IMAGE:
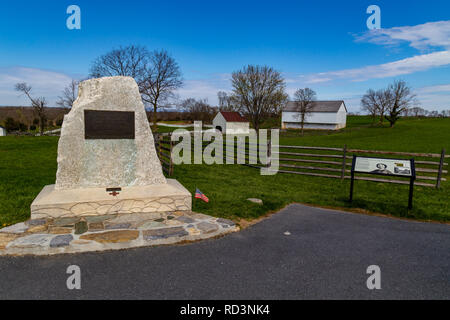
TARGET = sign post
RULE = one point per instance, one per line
(384, 167)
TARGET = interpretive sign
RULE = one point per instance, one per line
(384, 167)
(390, 167)
(108, 124)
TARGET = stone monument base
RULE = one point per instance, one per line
(52, 203)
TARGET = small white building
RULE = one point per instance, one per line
(231, 122)
(325, 115)
(2, 131)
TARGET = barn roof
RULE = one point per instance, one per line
(318, 106)
(232, 116)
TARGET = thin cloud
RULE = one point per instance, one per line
(45, 83)
(434, 97)
(421, 37)
(391, 69)
(435, 89)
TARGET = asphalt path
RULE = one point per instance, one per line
(299, 253)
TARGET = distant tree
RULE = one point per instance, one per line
(376, 103)
(406, 112)
(157, 73)
(258, 91)
(369, 103)
(10, 124)
(304, 99)
(14, 125)
(162, 76)
(400, 98)
(125, 61)
(417, 112)
(445, 113)
(59, 122)
(225, 101)
(433, 114)
(384, 97)
(69, 95)
(21, 119)
(22, 126)
(198, 109)
(39, 104)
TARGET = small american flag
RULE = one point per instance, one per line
(200, 195)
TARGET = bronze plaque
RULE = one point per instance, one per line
(108, 124)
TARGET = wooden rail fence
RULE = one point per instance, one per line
(329, 162)
(163, 145)
(338, 163)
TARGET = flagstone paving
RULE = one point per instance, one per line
(107, 232)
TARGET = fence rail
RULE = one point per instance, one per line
(163, 145)
(320, 161)
(330, 162)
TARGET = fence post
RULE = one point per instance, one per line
(269, 153)
(170, 157)
(160, 138)
(344, 162)
(441, 166)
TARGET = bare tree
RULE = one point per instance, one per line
(369, 103)
(157, 73)
(39, 104)
(418, 112)
(124, 61)
(433, 114)
(162, 76)
(376, 103)
(258, 91)
(384, 98)
(69, 95)
(198, 109)
(304, 99)
(225, 101)
(445, 113)
(400, 99)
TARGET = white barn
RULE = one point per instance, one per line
(325, 115)
(2, 131)
(230, 123)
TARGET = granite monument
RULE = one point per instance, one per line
(107, 162)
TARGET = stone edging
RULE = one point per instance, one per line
(109, 232)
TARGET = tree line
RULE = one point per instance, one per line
(156, 73)
(258, 92)
(393, 102)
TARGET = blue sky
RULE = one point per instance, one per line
(324, 45)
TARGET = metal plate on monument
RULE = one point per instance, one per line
(108, 124)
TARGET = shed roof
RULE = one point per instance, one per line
(318, 106)
(232, 116)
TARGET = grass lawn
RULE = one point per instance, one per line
(29, 163)
(409, 135)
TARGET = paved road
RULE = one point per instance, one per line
(324, 257)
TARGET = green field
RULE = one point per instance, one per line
(29, 163)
